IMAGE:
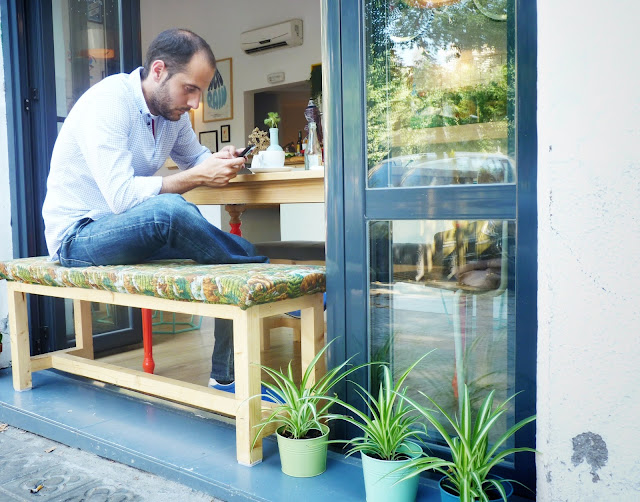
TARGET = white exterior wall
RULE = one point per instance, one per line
(588, 238)
(6, 252)
(220, 24)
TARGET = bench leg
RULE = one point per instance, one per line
(83, 326)
(246, 346)
(312, 336)
(265, 330)
(20, 349)
(148, 365)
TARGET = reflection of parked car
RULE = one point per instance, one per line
(390, 172)
(464, 168)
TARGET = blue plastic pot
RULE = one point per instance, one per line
(381, 486)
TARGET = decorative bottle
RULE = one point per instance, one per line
(299, 144)
(313, 152)
(273, 140)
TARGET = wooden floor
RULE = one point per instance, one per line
(187, 356)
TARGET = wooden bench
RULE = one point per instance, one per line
(292, 253)
(248, 294)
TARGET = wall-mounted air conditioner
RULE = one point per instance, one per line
(287, 34)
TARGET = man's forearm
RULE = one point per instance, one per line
(183, 181)
(213, 172)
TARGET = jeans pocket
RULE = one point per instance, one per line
(64, 252)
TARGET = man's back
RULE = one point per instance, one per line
(106, 154)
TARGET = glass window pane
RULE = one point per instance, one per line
(86, 38)
(439, 90)
(449, 286)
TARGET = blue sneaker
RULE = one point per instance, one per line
(267, 395)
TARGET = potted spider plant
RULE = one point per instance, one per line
(467, 476)
(301, 412)
(391, 436)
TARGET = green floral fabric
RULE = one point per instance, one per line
(243, 285)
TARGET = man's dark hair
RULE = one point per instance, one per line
(176, 47)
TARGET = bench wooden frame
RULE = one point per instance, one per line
(247, 329)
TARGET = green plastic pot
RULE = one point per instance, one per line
(303, 458)
(380, 482)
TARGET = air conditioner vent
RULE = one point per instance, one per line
(287, 34)
(261, 48)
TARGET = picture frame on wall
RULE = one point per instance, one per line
(210, 140)
(225, 133)
(218, 99)
(95, 11)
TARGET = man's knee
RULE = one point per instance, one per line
(170, 207)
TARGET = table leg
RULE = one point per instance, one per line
(148, 365)
(235, 212)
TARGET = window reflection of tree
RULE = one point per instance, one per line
(414, 81)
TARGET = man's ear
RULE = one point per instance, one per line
(158, 69)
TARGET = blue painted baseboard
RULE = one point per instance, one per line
(176, 442)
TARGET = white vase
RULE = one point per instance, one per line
(273, 138)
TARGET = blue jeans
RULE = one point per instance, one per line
(162, 227)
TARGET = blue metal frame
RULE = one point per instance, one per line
(351, 206)
(527, 238)
(334, 190)
(446, 202)
(355, 267)
(13, 22)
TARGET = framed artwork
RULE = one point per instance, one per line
(94, 11)
(218, 100)
(225, 133)
(210, 140)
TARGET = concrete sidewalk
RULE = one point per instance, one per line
(72, 475)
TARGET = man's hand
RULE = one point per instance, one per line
(216, 171)
(228, 152)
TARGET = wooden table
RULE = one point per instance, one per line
(291, 187)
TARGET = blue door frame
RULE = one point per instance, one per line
(350, 206)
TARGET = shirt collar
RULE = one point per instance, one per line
(136, 84)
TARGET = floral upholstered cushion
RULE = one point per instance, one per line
(243, 285)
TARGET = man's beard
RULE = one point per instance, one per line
(163, 104)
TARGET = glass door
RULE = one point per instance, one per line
(62, 48)
(436, 244)
(86, 49)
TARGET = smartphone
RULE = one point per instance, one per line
(246, 151)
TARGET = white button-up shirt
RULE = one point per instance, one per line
(105, 155)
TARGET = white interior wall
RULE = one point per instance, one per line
(589, 221)
(6, 247)
(221, 24)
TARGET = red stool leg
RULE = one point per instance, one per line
(147, 341)
(235, 212)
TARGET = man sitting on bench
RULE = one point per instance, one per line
(103, 204)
